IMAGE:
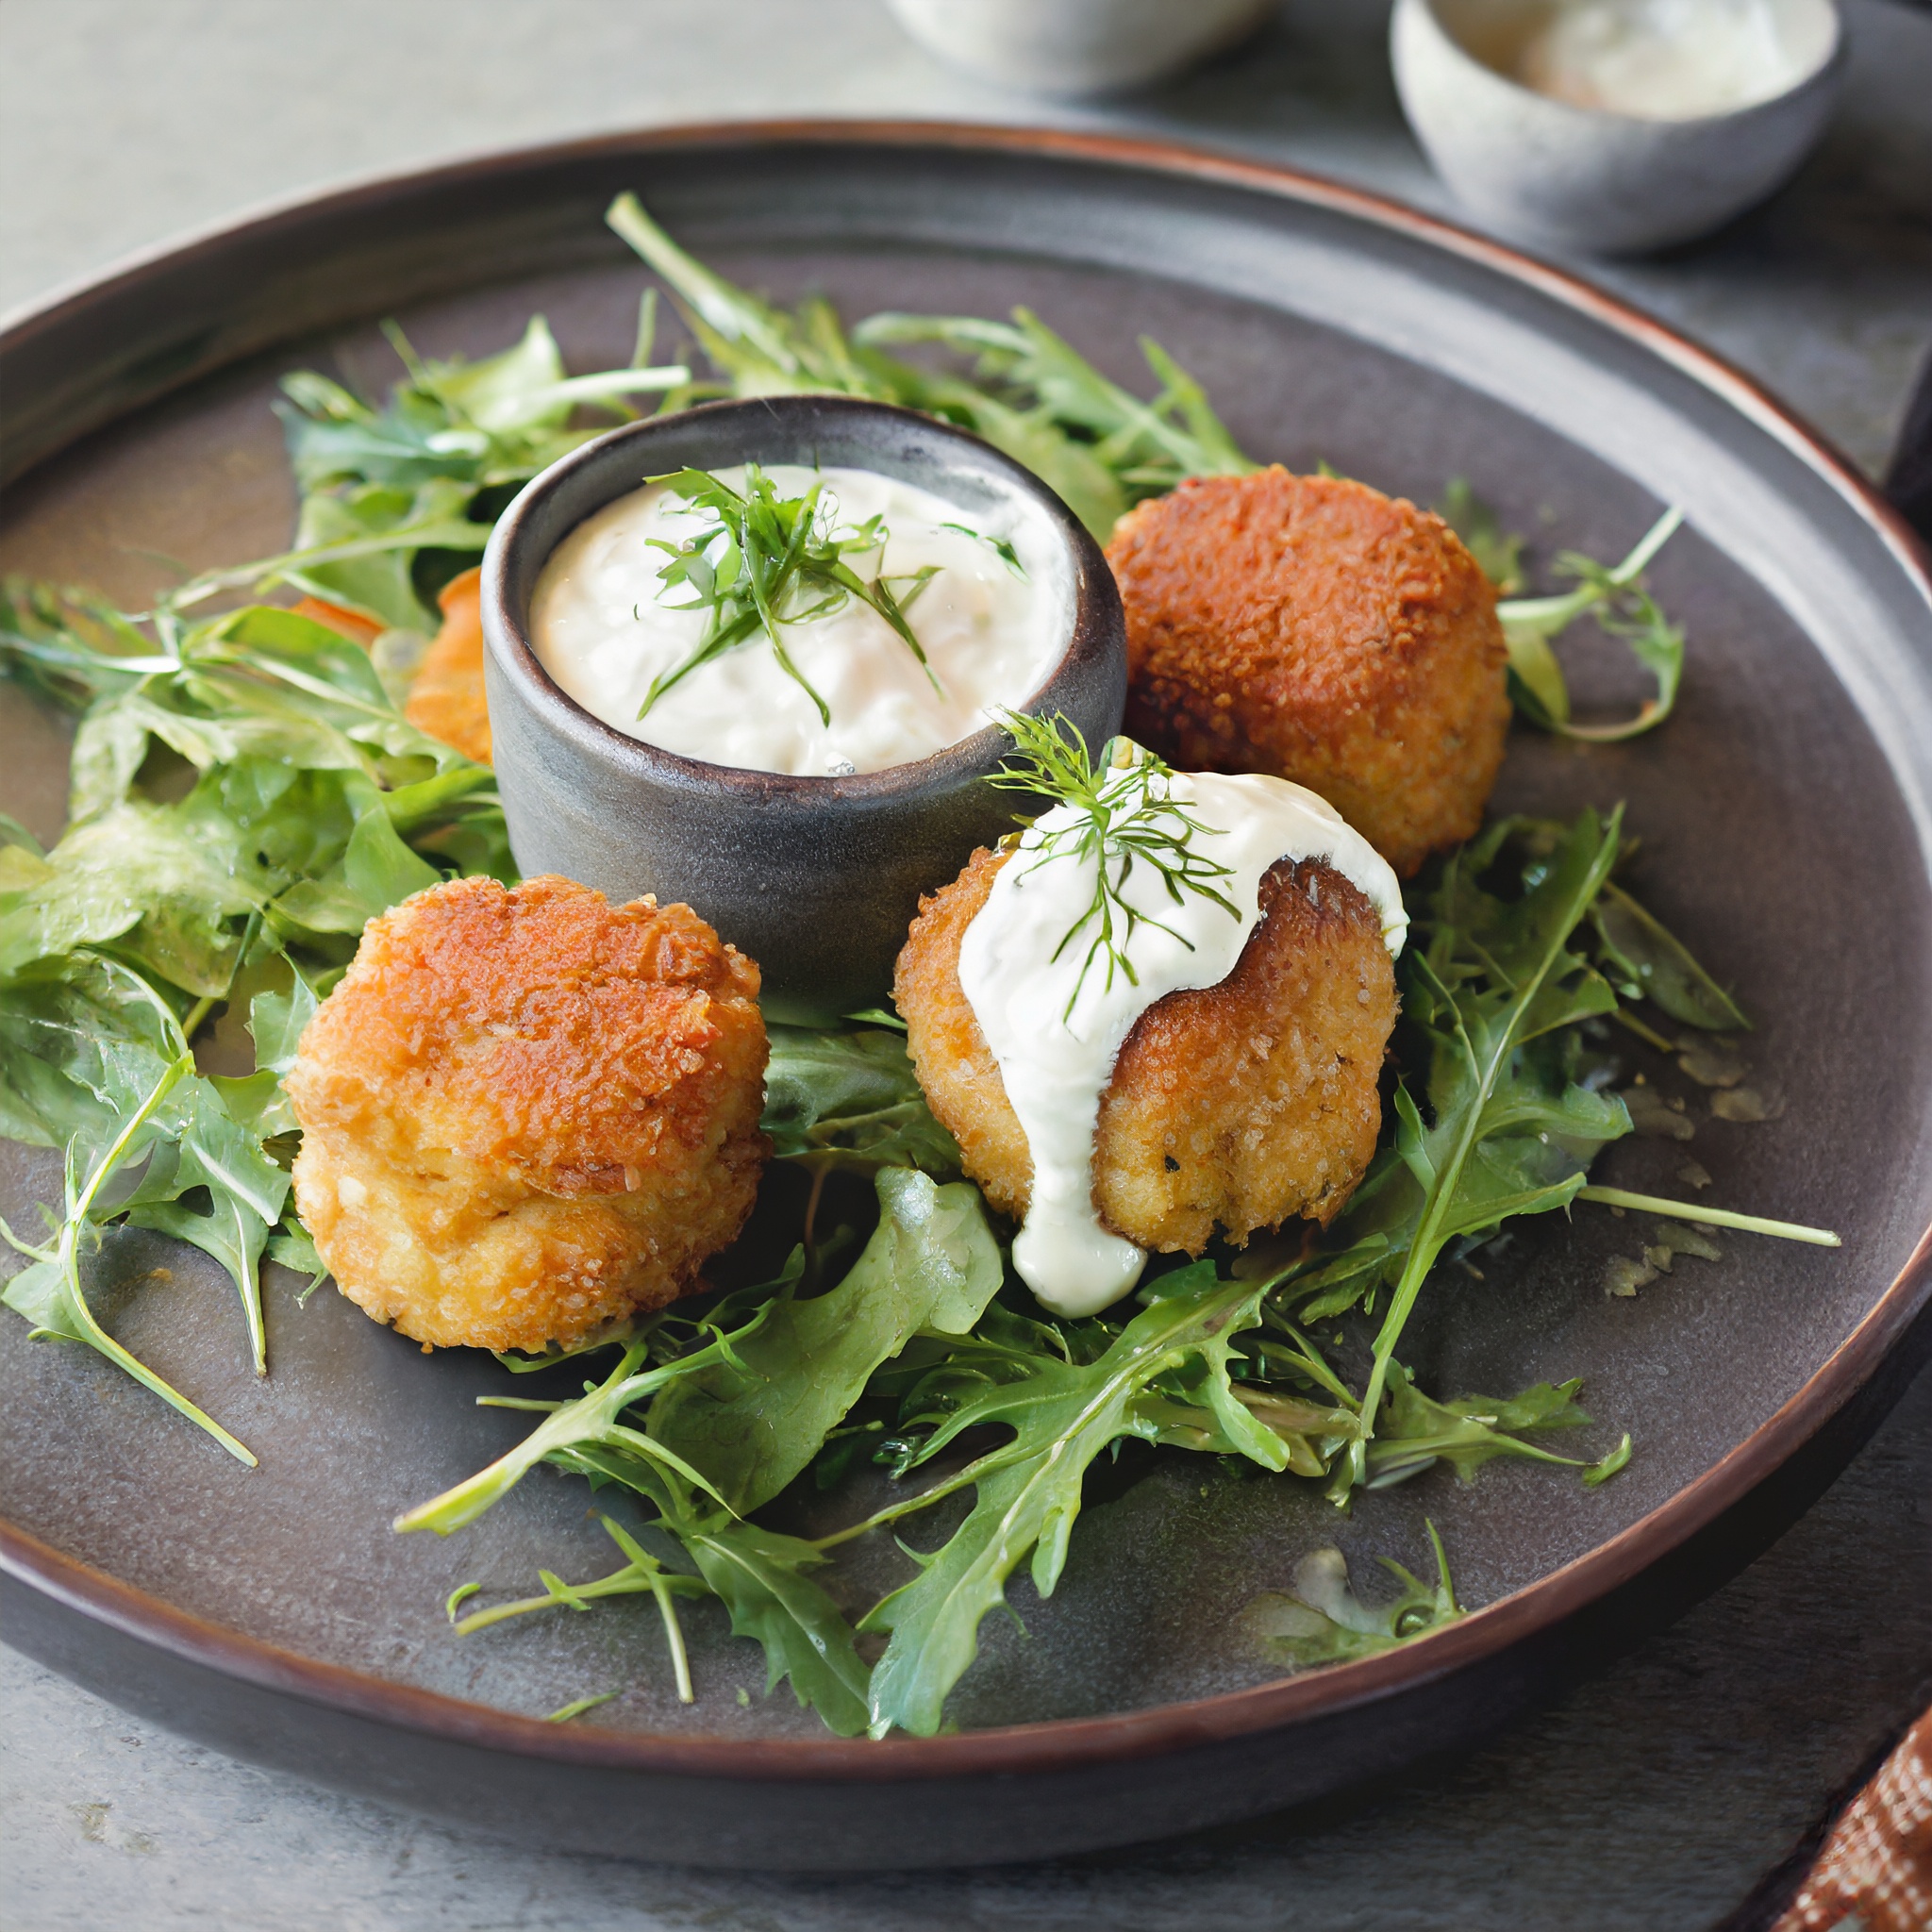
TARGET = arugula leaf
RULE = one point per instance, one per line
(337, 526)
(592, 1421)
(751, 1423)
(851, 1101)
(46, 630)
(1097, 445)
(736, 1420)
(48, 1290)
(1413, 1431)
(515, 390)
(1542, 1123)
(1494, 976)
(381, 487)
(116, 946)
(376, 871)
(310, 783)
(489, 423)
(378, 530)
(205, 1147)
(1323, 1622)
(1150, 445)
(1652, 963)
(292, 1248)
(760, 1577)
(82, 1039)
(1498, 553)
(262, 690)
(759, 1574)
(278, 1019)
(641, 1573)
(163, 881)
(1071, 469)
(1063, 1414)
(1614, 595)
(762, 342)
(86, 1050)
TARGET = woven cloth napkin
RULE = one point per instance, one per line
(1875, 1871)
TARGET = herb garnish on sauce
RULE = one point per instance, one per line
(766, 561)
(1128, 817)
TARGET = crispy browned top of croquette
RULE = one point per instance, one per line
(1318, 630)
(1218, 575)
(543, 1029)
(1237, 1105)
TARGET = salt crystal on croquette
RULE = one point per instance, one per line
(1313, 629)
(528, 1113)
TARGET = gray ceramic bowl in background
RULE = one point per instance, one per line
(815, 878)
(1078, 48)
(1585, 178)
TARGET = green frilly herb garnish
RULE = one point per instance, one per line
(765, 562)
(1126, 818)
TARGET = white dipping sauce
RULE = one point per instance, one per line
(1057, 1064)
(1665, 60)
(602, 630)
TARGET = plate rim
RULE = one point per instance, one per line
(1061, 1744)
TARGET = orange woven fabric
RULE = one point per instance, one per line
(1877, 1862)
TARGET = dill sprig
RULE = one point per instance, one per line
(1127, 819)
(767, 561)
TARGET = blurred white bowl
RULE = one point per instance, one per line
(1077, 46)
(1586, 177)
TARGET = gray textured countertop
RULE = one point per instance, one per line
(1657, 1796)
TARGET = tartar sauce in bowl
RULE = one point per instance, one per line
(802, 791)
(831, 688)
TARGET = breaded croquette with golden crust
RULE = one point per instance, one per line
(446, 699)
(1237, 1106)
(1315, 629)
(528, 1113)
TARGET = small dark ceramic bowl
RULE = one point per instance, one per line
(815, 878)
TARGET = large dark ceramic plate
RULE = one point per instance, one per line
(1785, 811)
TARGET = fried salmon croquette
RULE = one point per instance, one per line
(446, 699)
(1239, 1106)
(528, 1113)
(1315, 629)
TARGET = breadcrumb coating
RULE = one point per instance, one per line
(527, 1113)
(1238, 1105)
(1313, 629)
(446, 699)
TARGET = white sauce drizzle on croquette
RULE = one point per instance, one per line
(1056, 1058)
(605, 626)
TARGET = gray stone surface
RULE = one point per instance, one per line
(123, 123)
(1656, 1797)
